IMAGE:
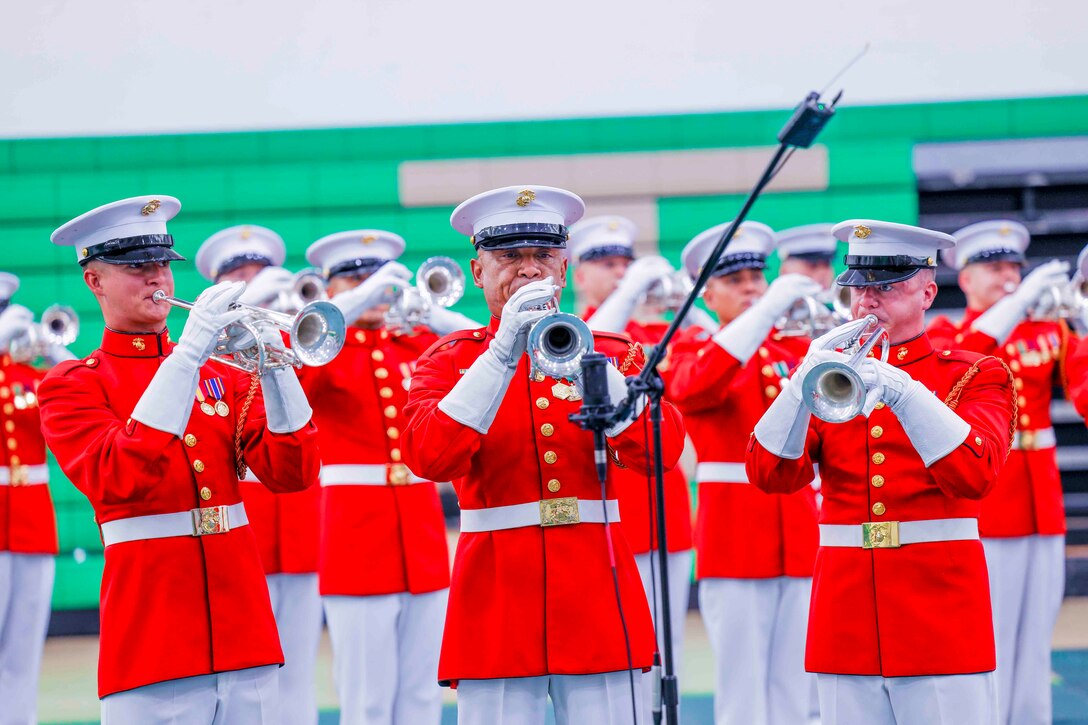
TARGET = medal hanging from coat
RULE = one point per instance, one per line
(213, 388)
(563, 391)
(205, 407)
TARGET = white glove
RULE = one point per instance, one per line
(783, 428)
(474, 400)
(285, 406)
(168, 399)
(1005, 314)
(57, 354)
(614, 314)
(933, 428)
(13, 321)
(379, 288)
(443, 321)
(697, 317)
(743, 336)
(266, 286)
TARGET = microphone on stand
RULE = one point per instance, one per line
(596, 406)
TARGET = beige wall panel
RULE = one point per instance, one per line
(431, 185)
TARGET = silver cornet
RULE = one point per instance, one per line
(834, 391)
(668, 292)
(316, 336)
(1058, 302)
(440, 282)
(307, 285)
(59, 325)
(557, 343)
(816, 315)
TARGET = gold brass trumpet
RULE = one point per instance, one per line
(316, 335)
(440, 282)
(834, 391)
(59, 325)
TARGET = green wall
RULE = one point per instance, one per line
(305, 184)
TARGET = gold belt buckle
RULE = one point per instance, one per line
(1027, 440)
(880, 535)
(19, 475)
(399, 475)
(210, 520)
(559, 511)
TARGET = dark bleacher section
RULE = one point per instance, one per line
(1042, 183)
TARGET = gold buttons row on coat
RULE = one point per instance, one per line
(377, 355)
(393, 433)
(394, 454)
(205, 493)
(390, 411)
(876, 431)
(190, 440)
(386, 393)
(878, 481)
(542, 403)
(198, 466)
(879, 508)
(550, 457)
(381, 373)
(547, 430)
(878, 458)
(9, 426)
(553, 485)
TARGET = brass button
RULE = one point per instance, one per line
(538, 377)
(393, 433)
(390, 411)
(360, 336)
(879, 509)
(768, 371)
(386, 393)
(205, 493)
(550, 457)
(959, 337)
(879, 406)
(198, 466)
(771, 391)
(1014, 366)
(12, 444)
(878, 458)
(553, 485)
(1025, 420)
(946, 353)
(394, 454)
(381, 373)
(477, 334)
(547, 429)
(1021, 401)
(763, 352)
(876, 432)
(190, 440)
(542, 403)
(14, 461)
(1010, 349)
(878, 481)
(978, 441)
(9, 408)
(377, 355)
(91, 362)
(1018, 384)
(5, 392)
(9, 426)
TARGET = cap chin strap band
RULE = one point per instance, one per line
(886, 261)
(546, 235)
(126, 244)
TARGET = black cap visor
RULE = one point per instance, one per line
(143, 255)
(997, 255)
(736, 262)
(519, 236)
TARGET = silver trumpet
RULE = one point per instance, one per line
(440, 282)
(1056, 303)
(307, 285)
(834, 391)
(668, 292)
(557, 343)
(59, 325)
(817, 315)
(316, 335)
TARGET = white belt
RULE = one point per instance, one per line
(194, 522)
(720, 473)
(549, 512)
(368, 474)
(250, 478)
(25, 475)
(1033, 440)
(893, 534)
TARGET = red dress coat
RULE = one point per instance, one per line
(375, 539)
(183, 605)
(741, 532)
(28, 524)
(533, 600)
(1027, 498)
(637, 505)
(921, 609)
(1076, 367)
(286, 526)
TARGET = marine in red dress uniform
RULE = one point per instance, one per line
(1077, 364)
(383, 562)
(900, 627)
(612, 286)
(28, 526)
(185, 615)
(1022, 521)
(533, 611)
(754, 550)
(284, 524)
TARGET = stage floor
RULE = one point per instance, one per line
(67, 693)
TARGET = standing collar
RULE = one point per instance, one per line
(136, 344)
(909, 351)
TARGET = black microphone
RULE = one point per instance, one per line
(596, 406)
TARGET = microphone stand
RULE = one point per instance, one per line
(808, 119)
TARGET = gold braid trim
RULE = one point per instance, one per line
(953, 399)
(633, 351)
(239, 457)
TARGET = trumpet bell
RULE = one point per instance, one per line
(557, 344)
(833, 391)
(317, 333)
(59, 325)
(669, 291)
(441, 281)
